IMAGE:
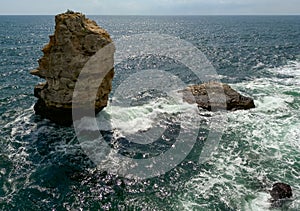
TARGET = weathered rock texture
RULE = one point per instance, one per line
(75, 41)
(216, 96)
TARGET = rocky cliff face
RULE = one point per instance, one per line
(216, 96)
(75, 41)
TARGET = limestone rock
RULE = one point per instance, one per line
(75, 41)
(216, 96)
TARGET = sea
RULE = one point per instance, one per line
(43, 166)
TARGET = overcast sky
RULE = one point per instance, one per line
(151, 7)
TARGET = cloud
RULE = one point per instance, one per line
(198, 7)
(154, 7)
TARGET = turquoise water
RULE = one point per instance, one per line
(43, 167)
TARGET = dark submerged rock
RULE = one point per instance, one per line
(281, 191)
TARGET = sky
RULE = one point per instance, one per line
(152, 7)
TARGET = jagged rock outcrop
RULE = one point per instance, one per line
(75, 41)
(216, 96)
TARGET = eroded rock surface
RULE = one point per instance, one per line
(216, 96)
(75, 41)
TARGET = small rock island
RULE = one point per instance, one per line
(75, 41)
(215, 96)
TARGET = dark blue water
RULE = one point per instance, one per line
(43, 167)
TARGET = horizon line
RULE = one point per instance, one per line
(225, 14)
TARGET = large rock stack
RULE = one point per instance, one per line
(75, 41)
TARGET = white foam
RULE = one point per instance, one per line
(130, 120)
(259, 65)
(291, 69)
(293, 135)
(18, 125)
(271, 94)
(260, 203)
(267, 134)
